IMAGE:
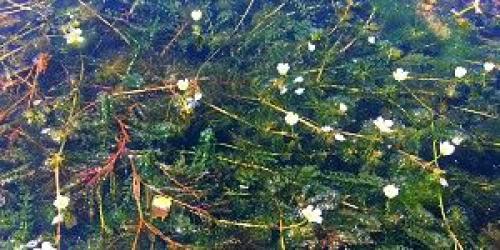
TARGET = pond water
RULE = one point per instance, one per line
(256, 124)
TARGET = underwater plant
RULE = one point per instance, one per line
(257, 124)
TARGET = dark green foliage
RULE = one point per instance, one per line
(239, 174)
(133, 81)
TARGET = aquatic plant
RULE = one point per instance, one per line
(257, 124)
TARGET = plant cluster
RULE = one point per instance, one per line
(257, 124)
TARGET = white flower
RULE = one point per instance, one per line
(457, 140)
(37, 102)
(327, 129)
(291, 118)
(47, 246)
(489, 66)
(283, 68)
(383, 125)
(298, 79)
(190, 103)
(443, 182)
(74, 37)
(61, 202)
(183, 84)
(299, 91)
(312, 214)
(400, 74)
(342, 107)
(198, 96)
(45, 131)
(57, 219)
(371, 40)
(391, 191)
(283, 90)
(477, 6)
(339, 137)
(446, 148)
(32, 243)
(311, 46)
(196, 15)
(460, 72)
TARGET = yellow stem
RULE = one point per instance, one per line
(453, 236)
(282, 233)
(58, 192)
(101, 210)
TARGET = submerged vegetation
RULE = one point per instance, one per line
(256, 124)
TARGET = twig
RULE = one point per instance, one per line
(106, 22)
(243, 17)
(144, 91)
(447, 224)
(476, 112)
(246, 165)
(174, 39)
(183, 187)
(282, 232)
(206, 215)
